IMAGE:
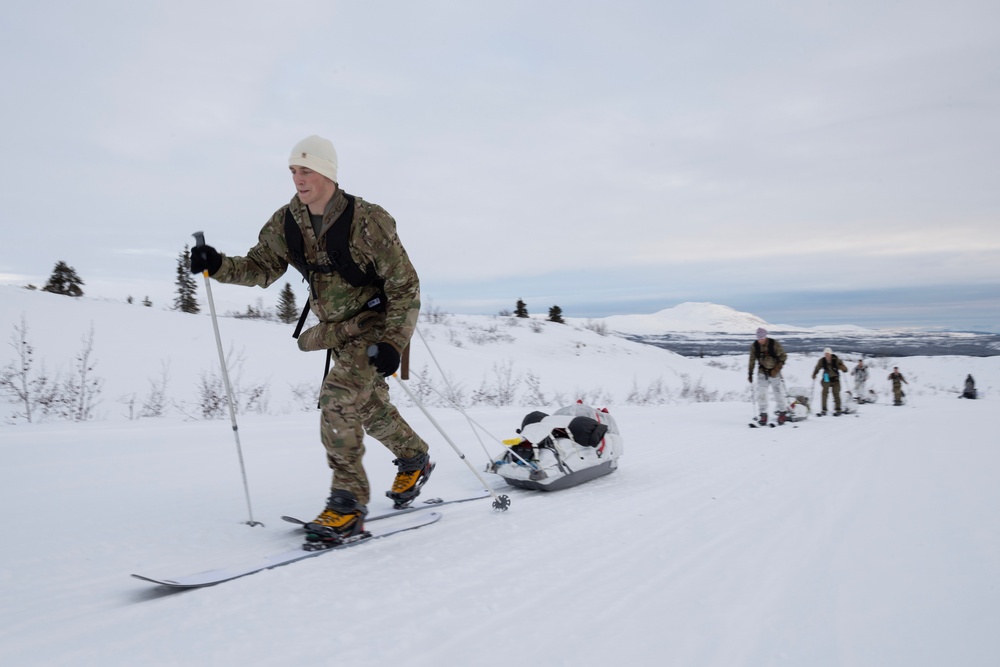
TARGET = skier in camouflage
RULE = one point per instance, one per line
(831, 365)
(366, 296)
(898, 381)
(769, 357)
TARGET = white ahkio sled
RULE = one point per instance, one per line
(574, 445)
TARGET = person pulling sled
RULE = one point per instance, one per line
(769, 357)
(366, 295)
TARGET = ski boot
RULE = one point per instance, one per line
(762, 419)
(782, 417)
(342, 521)
(411, 475)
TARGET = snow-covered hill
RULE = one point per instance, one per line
(861, 540)
(687, 316)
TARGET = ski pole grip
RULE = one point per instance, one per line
(199, 239)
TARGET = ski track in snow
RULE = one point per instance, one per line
(852, 541)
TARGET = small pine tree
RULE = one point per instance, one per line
(186, 286)
(521, 309)
(288, 311)
(146, 302)
(555, 315)
(64, 280)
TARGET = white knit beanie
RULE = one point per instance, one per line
(315, 153)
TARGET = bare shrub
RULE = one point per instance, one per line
(502, 391)
(82, 390)
(534, 394)
(33, 391)
(306, 395)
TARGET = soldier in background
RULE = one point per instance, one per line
(860, 374)
(769, 357)
(897, 380)
(970, 387)
(366, 296)
(831, 366)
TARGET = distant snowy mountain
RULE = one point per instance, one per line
(687, 317)
(701, 328)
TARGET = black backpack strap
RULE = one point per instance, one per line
(296, 244)
(338, 249)
(302, 320)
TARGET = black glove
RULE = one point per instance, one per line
(205, 258)
(385, 357)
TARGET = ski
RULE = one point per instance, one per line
(212, 577)
(429, 503)
(759, 425)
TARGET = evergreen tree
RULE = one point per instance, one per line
(521, 309)
(146, 302)
(186, 286)
(288, 311)
(555, 315)
(64, 281)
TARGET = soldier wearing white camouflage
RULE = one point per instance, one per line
(366, 295)
(769, 357)
(860, 373)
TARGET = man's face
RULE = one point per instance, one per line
(312, 187)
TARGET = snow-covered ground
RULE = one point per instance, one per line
(860, 540)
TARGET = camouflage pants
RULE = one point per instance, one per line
(355, 399)
(835, 386)
(897, 393)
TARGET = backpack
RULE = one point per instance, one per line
(770, 349)
(338, 249)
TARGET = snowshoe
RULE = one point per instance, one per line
(411, 475)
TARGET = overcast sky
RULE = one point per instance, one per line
(811, 162)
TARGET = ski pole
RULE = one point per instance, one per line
(452, 390)
(500, 503)
(474, 424)
(199, 238)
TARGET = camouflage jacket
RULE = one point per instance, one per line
(332, 299)
(832, 368)
(770, 364)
